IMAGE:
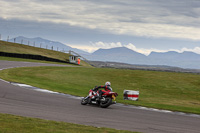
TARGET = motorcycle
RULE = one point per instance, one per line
(106, 99)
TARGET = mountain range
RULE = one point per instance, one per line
(121, 54)
(124, 55)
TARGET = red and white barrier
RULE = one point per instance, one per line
(131, 95)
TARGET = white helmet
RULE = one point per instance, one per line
(108, 83)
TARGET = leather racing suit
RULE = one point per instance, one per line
(101, 92)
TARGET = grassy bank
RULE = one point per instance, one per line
(24, 49)
(163, 90)
(17, 124)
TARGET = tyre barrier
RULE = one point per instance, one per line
(131, 95)
(30, 56)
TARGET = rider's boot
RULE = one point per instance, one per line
(98, 98)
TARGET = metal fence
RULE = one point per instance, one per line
(41, 45)
(29, 43)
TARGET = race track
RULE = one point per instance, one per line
(28, 102)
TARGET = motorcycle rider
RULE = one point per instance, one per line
(101, 92)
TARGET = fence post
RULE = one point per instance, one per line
(14, 40)
(52, 47)
(8, 39)
(22, 41)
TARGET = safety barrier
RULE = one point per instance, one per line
(30, 56)
(131, 95)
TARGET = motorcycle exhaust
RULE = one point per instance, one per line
(94, 102)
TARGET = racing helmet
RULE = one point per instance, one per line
(108, 83)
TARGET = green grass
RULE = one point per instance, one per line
(163, 90)
(17, 124)
(24, 49)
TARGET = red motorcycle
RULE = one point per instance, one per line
(106, 99)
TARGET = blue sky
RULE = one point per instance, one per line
(141, 25)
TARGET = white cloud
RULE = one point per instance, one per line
(144, 18)
(106, 45)
(142, 50)
(84, 47)
(195, 50)
(95, 46)
(148, 51)
(98, 45)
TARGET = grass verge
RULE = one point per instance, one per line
(24, 49)
(162, 90)
(11, 124)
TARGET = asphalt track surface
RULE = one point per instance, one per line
(27, 102)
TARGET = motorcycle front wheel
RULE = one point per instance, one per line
(84, 101)
(106, 103)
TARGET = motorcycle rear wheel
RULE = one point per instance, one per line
(108, 102)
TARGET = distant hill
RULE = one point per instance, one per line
(120, 54)
(125, 55)
(184, 60)
(143, 67)
(172, 55)
(44, 43)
